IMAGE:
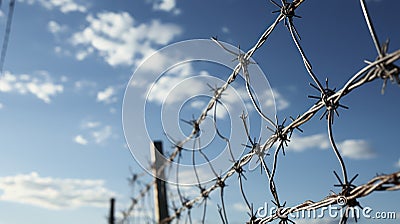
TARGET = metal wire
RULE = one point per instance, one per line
(7, 34)
(382, 67)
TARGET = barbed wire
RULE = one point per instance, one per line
(389, 182)
(382, 67)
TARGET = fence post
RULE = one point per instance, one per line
(111, 219)
(160, 192)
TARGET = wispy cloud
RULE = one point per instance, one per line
(120, 40)
(84, 85)
(91, 124)
(102, 134)
(40, 85)
(65, 6)
(55, 27)
(54, 193)
(275, 97)
(93, 132)
(398, 163)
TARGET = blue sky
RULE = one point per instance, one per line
(63, 152)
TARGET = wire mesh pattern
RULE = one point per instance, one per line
(327, 101)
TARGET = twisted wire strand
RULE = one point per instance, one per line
(388, 182)
(367, 73)
(221, 90)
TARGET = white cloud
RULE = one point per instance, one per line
(80, 140)
(54, 193)
(102, 135)
(120, 40)
(166, 5)
(60, 51)
(40, 85)
(275, 97)
(81, 55)
(107, 95)
(55, 28)
(65, 6)
(164, 90)
(84, 84)
(198, 104)
(350, 148)
(94, 133)
(356, 149)
(299, 144)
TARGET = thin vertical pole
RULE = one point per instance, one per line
(160, 192)
(111, 219)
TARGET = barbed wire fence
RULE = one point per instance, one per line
(328, 100)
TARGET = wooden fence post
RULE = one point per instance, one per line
(160, 191)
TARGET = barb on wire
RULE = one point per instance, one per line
(221, 183)
(330, 104)
(385, 72)
(195, 125)
(134, 201)
(256, 148)
(244, 62)
(287, 10)
(388, 182)
(383, 67)
(228, 142)
(220, 214)
(252, 215)
(221, 90)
